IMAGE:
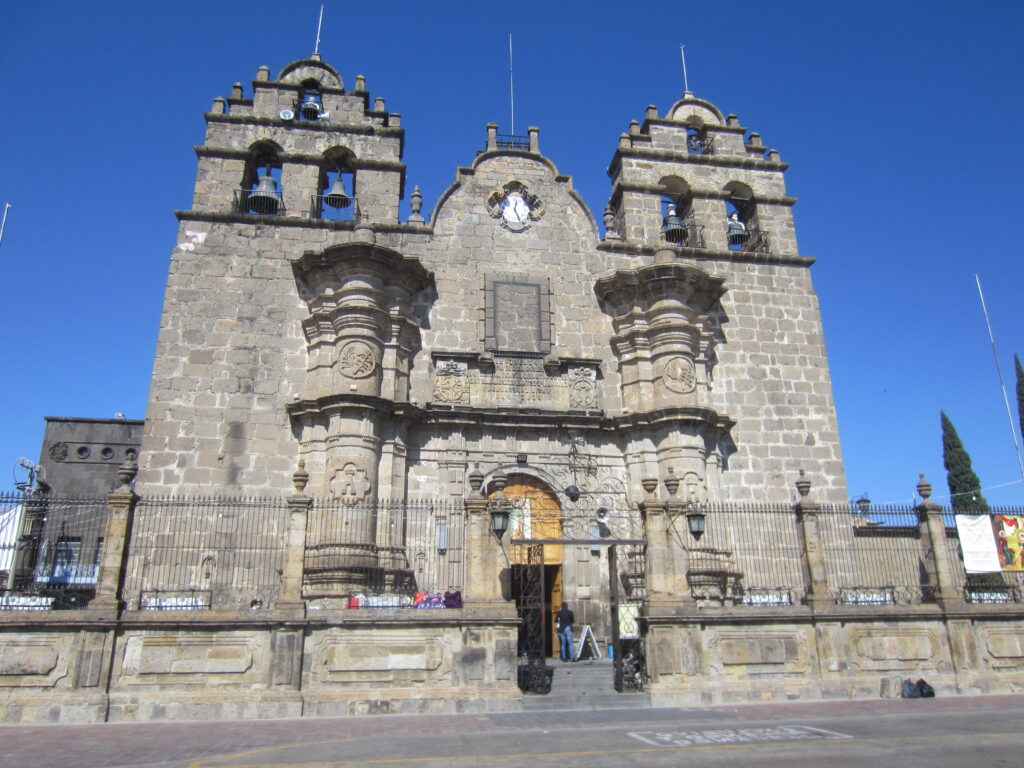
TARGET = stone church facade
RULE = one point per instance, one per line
(489, 408)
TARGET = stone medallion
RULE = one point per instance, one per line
(680, 375)
(357, 360)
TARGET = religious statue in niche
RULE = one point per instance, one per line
(680, 375)
(350, 484)
(451, 383)
(582, 388)
(357, 360)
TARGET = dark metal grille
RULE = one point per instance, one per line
(752, 240)
(529, 590)
(242, 204)
(50, 550)
(512, 141)
(389, 554)
(627, 566)
(320, 209)
(698, 144)
(217, 552)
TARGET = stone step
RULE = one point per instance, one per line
(583, 685)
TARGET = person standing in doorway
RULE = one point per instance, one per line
(564, 619)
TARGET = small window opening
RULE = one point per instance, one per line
(65, 560)
(310, 105)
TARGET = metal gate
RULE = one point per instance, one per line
(626, 568)
(529, 576)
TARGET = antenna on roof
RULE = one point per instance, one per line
(999, 372)
(511, 90)
(686, 81)
(316, 48)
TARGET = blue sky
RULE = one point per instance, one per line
(902, 122)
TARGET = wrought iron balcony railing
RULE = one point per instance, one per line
(752, 240)
(258, 202)
(331, 207)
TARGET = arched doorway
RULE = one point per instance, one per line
(537, 577)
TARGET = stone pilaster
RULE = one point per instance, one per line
(812, 550)
(666, 587)
(485, 555)
(290, 598)
(121, 505)
(933, 542)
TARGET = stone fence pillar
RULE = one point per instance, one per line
(484, 552)
(934, 551)
(293, 571)
(812, 552)
(667, 585)
(121, 505)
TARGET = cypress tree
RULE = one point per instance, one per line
(964, 485)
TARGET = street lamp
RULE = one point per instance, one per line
(695, 521)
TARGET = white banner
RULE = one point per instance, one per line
(978, 543)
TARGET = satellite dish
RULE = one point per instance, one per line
(287, 114)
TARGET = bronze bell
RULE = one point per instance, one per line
(265, 199)
(673, 227)
(310, 110)
(337, 197)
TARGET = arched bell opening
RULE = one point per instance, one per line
(336, 200)
(698, 142)
(310, 104)
(678, 225)
(261, 191)
(741, 229)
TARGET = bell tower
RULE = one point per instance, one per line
(288, 330)
(725, 322)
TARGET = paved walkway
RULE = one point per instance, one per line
(254, 743)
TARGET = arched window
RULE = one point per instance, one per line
(741, 225)
(697, 140)
(261, 181)
(677, 222)
(336, 198)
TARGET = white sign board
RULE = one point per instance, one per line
(978, 543)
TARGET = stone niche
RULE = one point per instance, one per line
(665, 333)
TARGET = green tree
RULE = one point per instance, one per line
(964, 485)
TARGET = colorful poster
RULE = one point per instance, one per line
(978, 544)
(1009, 531)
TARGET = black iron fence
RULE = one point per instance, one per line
(50, 550)
(387, 555)
(207, 553)
(196, 553)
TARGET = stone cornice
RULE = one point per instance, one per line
(706, 254)
(309, 125)
(675, 156)
(228, 217)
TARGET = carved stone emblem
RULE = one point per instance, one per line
(582, 389)
(680, 375)
(357, 360)
(451, 383)
(59, 451)
(350, 484)
(514, 206)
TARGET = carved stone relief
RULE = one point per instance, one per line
(350, 484)
(680, 375)
(357, 360)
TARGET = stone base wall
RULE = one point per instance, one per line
(91, 668)
(210, 667)
(801, 655)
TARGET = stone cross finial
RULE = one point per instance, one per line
(300, 477)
